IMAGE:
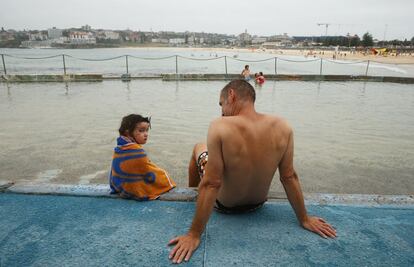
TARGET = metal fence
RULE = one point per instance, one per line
(364, 65)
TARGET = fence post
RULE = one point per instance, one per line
(275, 65)
(176, 64)
(320, 69)
(126, 64)
(64, 64)
(366, 71)
(4, 64)
(225, 63)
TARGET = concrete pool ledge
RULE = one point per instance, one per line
(90, 190)
(290, 77)
(21, 78)
(359, 199)
(5, 184)
(190, 194)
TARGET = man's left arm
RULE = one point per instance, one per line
(291, 184)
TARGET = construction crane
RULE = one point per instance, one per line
(326, 27)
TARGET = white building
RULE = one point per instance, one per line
(54, 33)
(61, 40)
(36, 44)
(160, 40)
(259, 40)
(177, 41)
(6, 36)
(39, 36)
(111, 35)
(277, 41)
(245, 38)
(280, 37)
(82, 38)
(191, 40)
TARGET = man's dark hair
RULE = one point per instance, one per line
(242, 88)
(130, 121)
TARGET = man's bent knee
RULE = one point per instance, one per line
(199, 148)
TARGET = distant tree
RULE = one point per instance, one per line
(395, 42)
(122, 36)
(344, 41)
(412, 41)
(141, 37)
(355, 41)
(367, 40)
(406, 42)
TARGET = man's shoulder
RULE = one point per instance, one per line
(268, 118)
(216, 121)
(282, 122)
(227, 123)
(216, 124)
(279, 123)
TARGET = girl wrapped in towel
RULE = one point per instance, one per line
(133, 175)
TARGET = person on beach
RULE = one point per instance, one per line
(246, 73)
(235, 168)
(133, 175)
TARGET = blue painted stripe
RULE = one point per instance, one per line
(148, 178)
(116, 164)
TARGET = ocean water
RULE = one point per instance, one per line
(350, 137)
(153, 61)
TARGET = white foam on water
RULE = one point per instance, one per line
(390, 68)
(47, 176)
(373, 66)
(86, 179)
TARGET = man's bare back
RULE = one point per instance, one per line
(252, 147)
(245, 148)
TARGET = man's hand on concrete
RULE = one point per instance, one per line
(184, 247)
(319, 226)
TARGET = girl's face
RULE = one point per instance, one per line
(140, 133)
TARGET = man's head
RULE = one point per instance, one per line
(246, 67)
(236, 91)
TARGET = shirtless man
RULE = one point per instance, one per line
(246, 73)
(245, 148)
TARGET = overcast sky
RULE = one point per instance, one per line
(392, 18)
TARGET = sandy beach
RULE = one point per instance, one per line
(305, 53)
(346, 55)
(328, 54)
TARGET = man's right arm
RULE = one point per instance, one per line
(207, 194)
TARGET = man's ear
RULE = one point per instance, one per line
(231, 95)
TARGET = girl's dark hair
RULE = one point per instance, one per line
(129, 122)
